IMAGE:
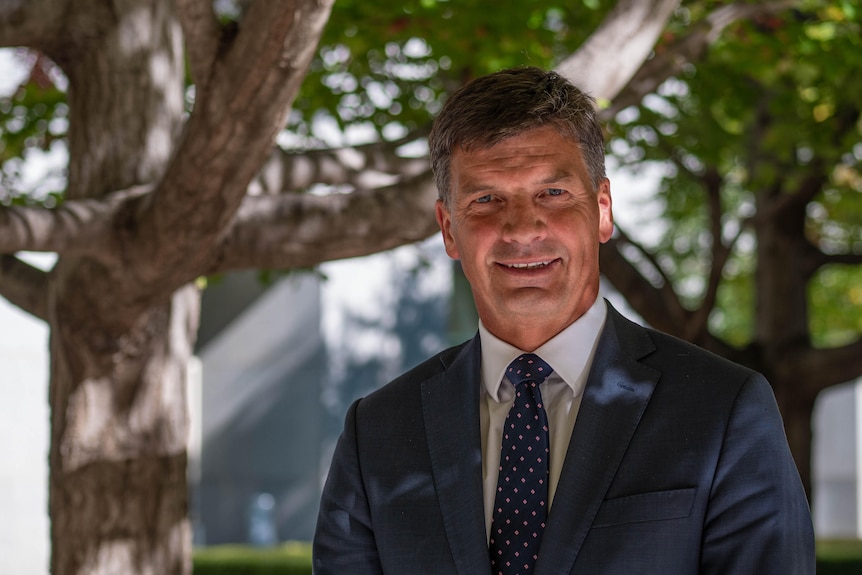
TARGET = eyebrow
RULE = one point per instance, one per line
(558, 177)
(474, 188)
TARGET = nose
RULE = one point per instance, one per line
(524, 223)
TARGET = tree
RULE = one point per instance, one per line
(149, 197)
(166, 184)
(761, 259)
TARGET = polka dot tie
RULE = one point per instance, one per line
(521, 502)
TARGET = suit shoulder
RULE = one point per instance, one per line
(692, 371)
(432, 366)
(413, 378)
(665, 352)
(671, 350)
(710, 386)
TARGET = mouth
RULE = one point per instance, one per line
(530, 265)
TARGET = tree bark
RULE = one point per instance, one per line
(782, 313)
(117, 487)
(123, 317)
(796, 408)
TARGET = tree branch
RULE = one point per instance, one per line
(850, 259)
(638, 21)
(366, 166)
(24, 286)
(756, 154)
(659, 304)
(712, 181)
(656, 301)
(812, 184)
(30, 23)
(669, 61)
(817, 171)
(822, 368)
(229, 134)
(302, 230)
(76, 227)
(201, 31)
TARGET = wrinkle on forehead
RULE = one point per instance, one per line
(521, 155)
(486, 141)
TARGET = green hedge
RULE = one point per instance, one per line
(836, 557)
(287, 559)
(833, 558)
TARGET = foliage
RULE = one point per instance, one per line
(376, 80)
(775, 102)
(33, 118)
(772, 98)
(836, 294)
(391, 73)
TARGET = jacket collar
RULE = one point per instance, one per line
(618, 390)
(450, 405)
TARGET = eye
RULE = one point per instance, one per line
(555, 191)
(483, 199)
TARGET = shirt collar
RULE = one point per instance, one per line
(569, 352)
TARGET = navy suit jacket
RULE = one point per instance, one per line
(677, 464)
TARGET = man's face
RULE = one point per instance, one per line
(526, 224)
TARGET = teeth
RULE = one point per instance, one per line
(529, 266)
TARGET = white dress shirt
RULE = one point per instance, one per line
(570, 354)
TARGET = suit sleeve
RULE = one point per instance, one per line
(344, 538)
(758, 520)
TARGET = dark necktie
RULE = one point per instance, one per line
(521, 501)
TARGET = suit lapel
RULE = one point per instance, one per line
(450, 405)
(617, 392)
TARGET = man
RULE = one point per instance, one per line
(639, 453)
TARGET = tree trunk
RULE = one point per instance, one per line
(782, 317)
(118, 493)
(118, 488)
(796, 410)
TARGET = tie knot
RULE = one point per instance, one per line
(528, 367)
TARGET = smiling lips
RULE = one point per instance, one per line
(529, 266)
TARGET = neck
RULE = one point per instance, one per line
(525, 339)
(530, 332)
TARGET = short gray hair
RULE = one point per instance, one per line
(510, 102)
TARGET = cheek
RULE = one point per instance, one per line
(478, 243)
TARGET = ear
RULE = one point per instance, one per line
(444, 220)
(606, 212)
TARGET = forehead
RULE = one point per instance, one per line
(540, 153)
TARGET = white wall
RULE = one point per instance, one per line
(24, 428)
(837, 465)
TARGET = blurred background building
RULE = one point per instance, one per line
(280, 360)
